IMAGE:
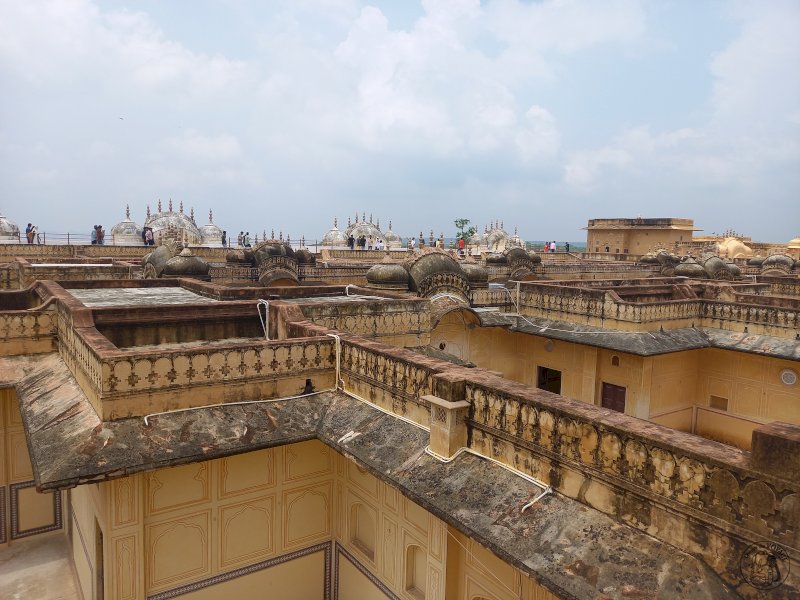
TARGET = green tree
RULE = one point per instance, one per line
(463, 233)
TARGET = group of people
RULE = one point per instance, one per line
(551, 246)
(242, 240)
(98, 235)
(31, 232)
(365, 243)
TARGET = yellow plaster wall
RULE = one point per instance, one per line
(634, 373)
(34, 510)
(674, 382)
(751, 384)
(172, 527)
(518, 355)
(86, 514)
(475, 573)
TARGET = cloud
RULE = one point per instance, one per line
(197, 147)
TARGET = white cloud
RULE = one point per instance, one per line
(194, 146)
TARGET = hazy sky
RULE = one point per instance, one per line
(285, 114)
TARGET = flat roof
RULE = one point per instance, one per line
(100, 297)
(550, 541)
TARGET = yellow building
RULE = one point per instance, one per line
(343, 444)
(637, 236)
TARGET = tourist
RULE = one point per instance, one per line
(94, 234)
(461, 246)
(370, 243)
(148, 236)
(246, 239)
(101, 235)
(351, 242)
(566, 246)
(240, 239)
(553, 246)
(28, 234)
(413, 242)
(224, 238)
(546, 247)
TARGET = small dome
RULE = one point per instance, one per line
(173, 225)
(756, 261)
(391, 239)
(715, 267)
(305, 257)
(186, 265)
(691, 268)
(777, 263)
(388, 276)
(793, 244)
(9, 231)
(649, 259)
(210, 234)
(126, 233)
(496, 259)
(535, 258)
(477, 276)
(272, 248)
(334, 237)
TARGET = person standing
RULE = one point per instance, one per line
(101, 235)
(566, 246)
(246, 240)
(553, 247)
(224, 239)
(28, 235)
(239, 239)
(369, 243)
(94, 234)
(148, 237)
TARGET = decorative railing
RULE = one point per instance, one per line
(648, 468)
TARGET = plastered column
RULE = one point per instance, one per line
(448, 426)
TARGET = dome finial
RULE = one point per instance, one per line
(349, 224)
(148, 212)
(180, 207)
(363, 217)
(159, 205)
(370, 218)
(356, 217)
(272, 235)
(191, 212)
(128, 212)
(390, 224)
(378, 224)
(335, 223)
(210, 216)
(170, 205)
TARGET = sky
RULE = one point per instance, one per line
(285, 114)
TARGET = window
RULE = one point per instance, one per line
(615, 361)
(415, 572)
(548, 379)
(719, 403)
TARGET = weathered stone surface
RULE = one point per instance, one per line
(776, 449)
(568, 547)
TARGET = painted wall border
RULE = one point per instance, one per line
(265, 564)
(341, 550)
(16, 533)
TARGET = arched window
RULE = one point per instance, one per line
(362, 530)
(415, 572)
(615, 361)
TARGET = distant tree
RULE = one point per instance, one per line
(464, 234)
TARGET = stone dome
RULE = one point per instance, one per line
(391, 239)
(477, 276)
(390, 276)
(272, 248)
(127, 233)
(691, 268)
(777, 264)
(9, 231)
(537, 260)
(496, 259)
(756, 261)
(794, 243)
(649, 259)
(305, 257)
(433, 271)
(477, 239)
(334, 237)
(715, 267)
(210, 234)
(173, 225)
(186, 265)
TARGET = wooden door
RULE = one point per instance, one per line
(613, 397)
